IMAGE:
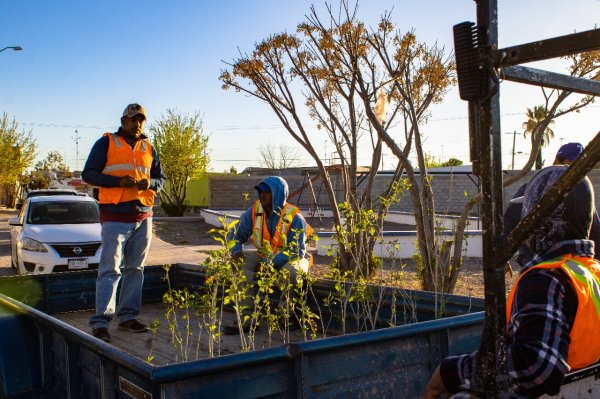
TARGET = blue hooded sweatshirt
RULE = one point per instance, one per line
(279, 192)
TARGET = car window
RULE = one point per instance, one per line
(63, 212)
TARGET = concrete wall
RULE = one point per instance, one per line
(237, 192)
(451, 192)
(198, 192)
(401, 244)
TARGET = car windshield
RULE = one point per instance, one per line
(63, 212)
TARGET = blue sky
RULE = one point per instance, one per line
(84, 60)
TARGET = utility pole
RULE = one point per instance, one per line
(76, 137)
(512, 167)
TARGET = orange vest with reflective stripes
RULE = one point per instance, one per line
(584, 274)
(122, 160)
(260, 231)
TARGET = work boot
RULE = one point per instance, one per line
(101, 333)
(133, 326)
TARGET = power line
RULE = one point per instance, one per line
(233, 128)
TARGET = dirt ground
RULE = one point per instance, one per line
(470, 282)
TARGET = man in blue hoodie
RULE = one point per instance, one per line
(273, 225)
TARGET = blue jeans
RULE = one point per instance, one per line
(123, 245)
(250, 267)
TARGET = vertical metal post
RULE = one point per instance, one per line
(490, 374)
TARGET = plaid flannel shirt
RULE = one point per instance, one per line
(543, 312)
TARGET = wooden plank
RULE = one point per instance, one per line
(549, 48)
(553, 80)
(160, 345)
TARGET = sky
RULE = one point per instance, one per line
(83, 61)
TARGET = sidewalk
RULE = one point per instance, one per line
(162, 253)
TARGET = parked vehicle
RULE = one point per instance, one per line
(49, 191)
(56, 233)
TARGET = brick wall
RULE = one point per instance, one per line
(226, 192)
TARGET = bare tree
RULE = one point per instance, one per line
(341, 65)
(281, 157)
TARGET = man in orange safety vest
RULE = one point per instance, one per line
(279, 232)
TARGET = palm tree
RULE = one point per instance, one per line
(535, 119)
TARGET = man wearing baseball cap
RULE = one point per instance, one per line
(566, 155)
(127, 170)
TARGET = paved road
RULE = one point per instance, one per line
(160, 251)
(5, 269)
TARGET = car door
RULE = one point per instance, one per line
(15, 231)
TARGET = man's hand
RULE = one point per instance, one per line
(435, 387)
(143, 184)
(127, 181)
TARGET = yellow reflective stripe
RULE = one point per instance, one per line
(118, 167)
(258, 222)
(584, 276)
(116, 140)
(288, 210)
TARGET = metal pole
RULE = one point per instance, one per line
(513, 151)
(512, 167)
(490, 375)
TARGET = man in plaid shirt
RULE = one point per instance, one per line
(546, 301)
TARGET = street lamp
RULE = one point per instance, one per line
(15, 48)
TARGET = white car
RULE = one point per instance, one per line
(56, 233)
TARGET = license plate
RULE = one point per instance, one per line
(78, 264)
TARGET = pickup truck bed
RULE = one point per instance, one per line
(42, 356)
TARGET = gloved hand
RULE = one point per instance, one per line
(143, 184)
(127, 181)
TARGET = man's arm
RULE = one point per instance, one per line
(241, 232)
(544, 309)
(543, 312)
(296, 238)
(157, 175)
(92, 171)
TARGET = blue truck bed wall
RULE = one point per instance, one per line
(42, 357)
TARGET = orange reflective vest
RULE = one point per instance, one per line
(584, 274)
(260, 231)
(122, 160)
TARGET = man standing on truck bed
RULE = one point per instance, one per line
(126, 168)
